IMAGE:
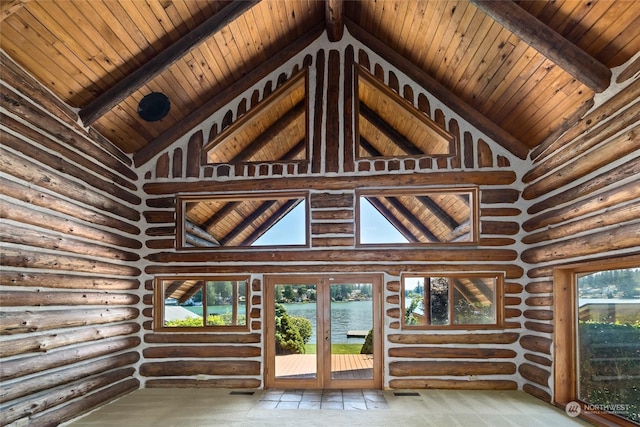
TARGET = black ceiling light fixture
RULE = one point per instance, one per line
(154, 106)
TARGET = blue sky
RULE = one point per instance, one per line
(290, 230)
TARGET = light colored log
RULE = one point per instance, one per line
(423, 368)
(427, 383)
(24, 366)
(336, 214)
(84, 405)
(337, 182)
(29, 171)
(65, 281)
(208, 383)
(393, 286)
(18, 322)
(613, 216)
(573, 170)
(610, 198)
(454, 353)
(43, 298)
(198, 367)
(581, 145)
(393, 299)
(191, 228)
(393, 313)
(25, 215)
(10, 233)
(539, 287)
(201, 352)
(38, 198)
(497, 338)
(49, 341)
(16, 389)
(539, 301)
(40, 402)
(332, 228)
(621, 237)
(12, 257)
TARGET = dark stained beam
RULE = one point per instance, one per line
(334, 18)
(264, 138)
(223, 98)
(125, 87)
(295, 150)
(271, 221)
(369, 148)
(409, 216)
(393, 220)
(403, 143)
(225, 210)
(249, 220)
(435, 209)
(586, 69)
(467, 112)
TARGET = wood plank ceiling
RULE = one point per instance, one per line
(82, 50)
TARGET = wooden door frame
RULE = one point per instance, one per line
(376, 279)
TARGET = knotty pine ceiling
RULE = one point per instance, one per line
(81, 49)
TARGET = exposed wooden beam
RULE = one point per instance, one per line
(223, 98)
(295, 150)
(586, 69)
(409, 216)
(397, 224)
(125, 87)
(334, 18)
(271, 221)
(249, 220)
(264, 138)
(435, 209)
(9, 7)
(434, 87)
(388, 131)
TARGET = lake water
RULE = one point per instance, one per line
(345, 316)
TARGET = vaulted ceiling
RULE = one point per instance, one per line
(529, 67)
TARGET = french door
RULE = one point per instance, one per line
(323, 331)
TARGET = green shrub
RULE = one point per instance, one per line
(367, 347)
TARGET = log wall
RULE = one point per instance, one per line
(584, 193)
(70, 261)
(332, 176)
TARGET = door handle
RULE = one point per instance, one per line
(327, 335)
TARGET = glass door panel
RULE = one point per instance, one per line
(320, 331)
(295, 338)
(351, 324)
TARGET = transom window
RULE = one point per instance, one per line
(440, 301)
(196, 303)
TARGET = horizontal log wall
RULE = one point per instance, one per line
(332, 176)
(70, 257)
(585, 197)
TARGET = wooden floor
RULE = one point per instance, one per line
(343, 366)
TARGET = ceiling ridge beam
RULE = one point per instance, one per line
(575, 61)
(334, 18)
(444, 95)
(227, 95)
(127, 86)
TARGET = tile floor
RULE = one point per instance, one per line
(279, 408)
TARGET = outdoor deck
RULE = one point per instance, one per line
(343, 366)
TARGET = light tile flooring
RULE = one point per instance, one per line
(218, 407)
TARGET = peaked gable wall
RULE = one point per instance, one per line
(332, 176)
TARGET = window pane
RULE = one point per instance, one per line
(414, 301)
(609, 341)
(474, 301)
(226, 303)
(439, 301)
(181, 310)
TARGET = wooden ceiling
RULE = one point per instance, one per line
(103, 56)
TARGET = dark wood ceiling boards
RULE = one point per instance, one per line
(82, 50)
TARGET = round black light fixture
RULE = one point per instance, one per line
(154, 107)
